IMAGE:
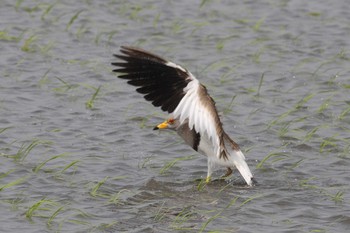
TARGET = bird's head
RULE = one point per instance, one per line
(170, 123)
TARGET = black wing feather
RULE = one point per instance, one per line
(159, 82)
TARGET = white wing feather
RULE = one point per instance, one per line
(198, 115)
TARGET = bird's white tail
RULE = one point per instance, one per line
(238, 160)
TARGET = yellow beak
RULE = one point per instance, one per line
(163, 125)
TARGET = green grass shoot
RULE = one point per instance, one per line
(13, 183)
(258, 24)
(250, 199)
(260, 83)
(65, 86)
(273, 157)
(26, 148)
(18, 4)
(95, 190)
(305, 183)
(28, 44)
(338, 197)
(182, 217)
(311, 133)
(115, 199)
(324, 105)
(170, 164)
(160, 213)
(73, 163)
(3, 175)
(295, 108)
(328, 143)
(71, 21)
(6, 37)
(203, 2)
(217, 215)
(228, 109)
(344, 113)
(90, 103)
(53, 216)
(42, 205)
(201, 185)
(4, 129)
(38, 167)
(47, 11)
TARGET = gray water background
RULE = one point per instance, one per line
(279, 72)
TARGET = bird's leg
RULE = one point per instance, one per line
(210, 171)
(228, 173)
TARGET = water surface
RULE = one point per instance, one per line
(69, 162)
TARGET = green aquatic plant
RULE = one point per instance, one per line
(38, 167)
(144, 162)
(26, 148)
(344, 113)
(28, 44)
(338, 197)
(14, 183)
(217, 215)
(258, 24)
(260, 83)
(228, 109)
(203, 2)
(181, 218)
(273, 157)
(73, 163)
(112, 197)
(115, 199)
(18, 4)
(6, 37)
(250, 199)
(171, 163)
(295, 164)
(54, 215)
(329, 143)
(90, 103)
(305, 183)
(65, 86)
(104, 227)
(41, 207)
(44, 79)
(161, 213)
(283, 130)
(143, 122)
(4, 129)
(3, 175)
(202, 184)
(325, 104)
(74, 17)
(256, 56)
(95, 190)
(295, 108)
(48, 10)
(310, 134)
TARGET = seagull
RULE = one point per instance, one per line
(193, 114)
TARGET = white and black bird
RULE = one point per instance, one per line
(193, 114)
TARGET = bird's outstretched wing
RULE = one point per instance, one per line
(175, 90)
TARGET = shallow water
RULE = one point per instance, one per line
(278, 71)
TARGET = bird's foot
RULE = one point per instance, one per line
(208, 179)
(227, 174)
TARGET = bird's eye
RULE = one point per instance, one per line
(171, 121)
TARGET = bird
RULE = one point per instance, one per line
(192, 111)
